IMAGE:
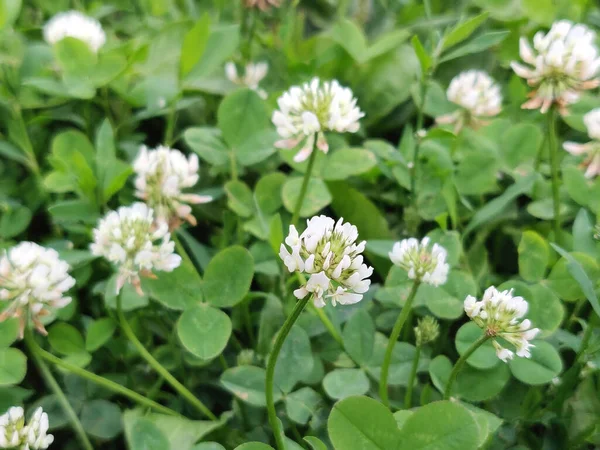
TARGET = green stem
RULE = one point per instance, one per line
(311, 162)
(461, 362)
(554, 167)
(281, 336)
(101, 381)
(385, 367)
(234, 171)
(540, 152)
(411, 379)
(587, 335)
(158, 367)
(170, 130)
(58, 392)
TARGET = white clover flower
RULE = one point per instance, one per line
(478, 97)
(328, 252)
(424, 263)
(162, 174)
(499, 314)
(253, 74)
(126, 237)
(14, 434)
(76, 25)
(306, 111)
(32, 280)
(562, 63)
(592, 148)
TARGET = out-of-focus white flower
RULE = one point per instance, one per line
(14, 434)
(477, 95)
(76, 25)
(328, 252)
(126, 237)
(591, 150)
(33, 279)
(253, 74)
(562, 63)
(500, 314)
(424, 263)
(263, 5)
(162, 174)
(306, 111)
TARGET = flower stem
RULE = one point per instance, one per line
(158, 367)
(281, 336)
(311, 162)
(60, 395)
(101, 381)
(411, 378)
(385, 367)
(461, 362)
(553, 149)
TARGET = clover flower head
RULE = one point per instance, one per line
(562, 63)
(76, 25)
(424, 262)
(16, 434)
(478, 97)
(32, 280)
(500, 314)
(591, 150)
(328, 252)
(427, 330)
(162, 174)
(253, 74)
(306, 111)
(127, 238)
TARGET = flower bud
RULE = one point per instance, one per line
(427, 330)
(424, 263)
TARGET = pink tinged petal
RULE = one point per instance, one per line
(521, 70)
(288, 143)
(593, 169)
(446, 119)
(546, 104)
(322, 143)
(195, 199)
(303, 154)
(121, 279)
(575, 148)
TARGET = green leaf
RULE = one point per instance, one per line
(14, 221)
(476, 45)
(440, 426)
(317, 196)
(66, 339)
(75, 58)
(351, 38)
(248, 384)
(194, 44)
(534, 256)
(13, 152)
(359, 337)
(254, 446)
(485, 356)
(208, 446)
(179, 289)
(9, 331)
(578, 272)
(495, 207)
(302, 404)
(522, 142)
(268, 192)
(583, 234)
(228, 277)
(424, 58)
(462, 31)
(99, 333)
(386, 43)
(9, 11)
(541, 368)
(362, 423)
(239, 198)
(144, 435)
(13, 366)
(130, 299)
(295, 361)
(208, 144)
(347, 162)
(315, 443)
(101, 419)
(343, 383)
(74, 211)
(204, 331)
(546, 311)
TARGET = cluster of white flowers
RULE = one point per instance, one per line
(591, 149)
(15, 434)
(328, 252)
(76, 25)
(563, 63)
(499, 314)
(253, 74)
(162, 174)
(424, 263)
(126, 238)
(306, 111)
(477, 95)
(33, 278)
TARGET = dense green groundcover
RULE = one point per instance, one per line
(189, 353)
